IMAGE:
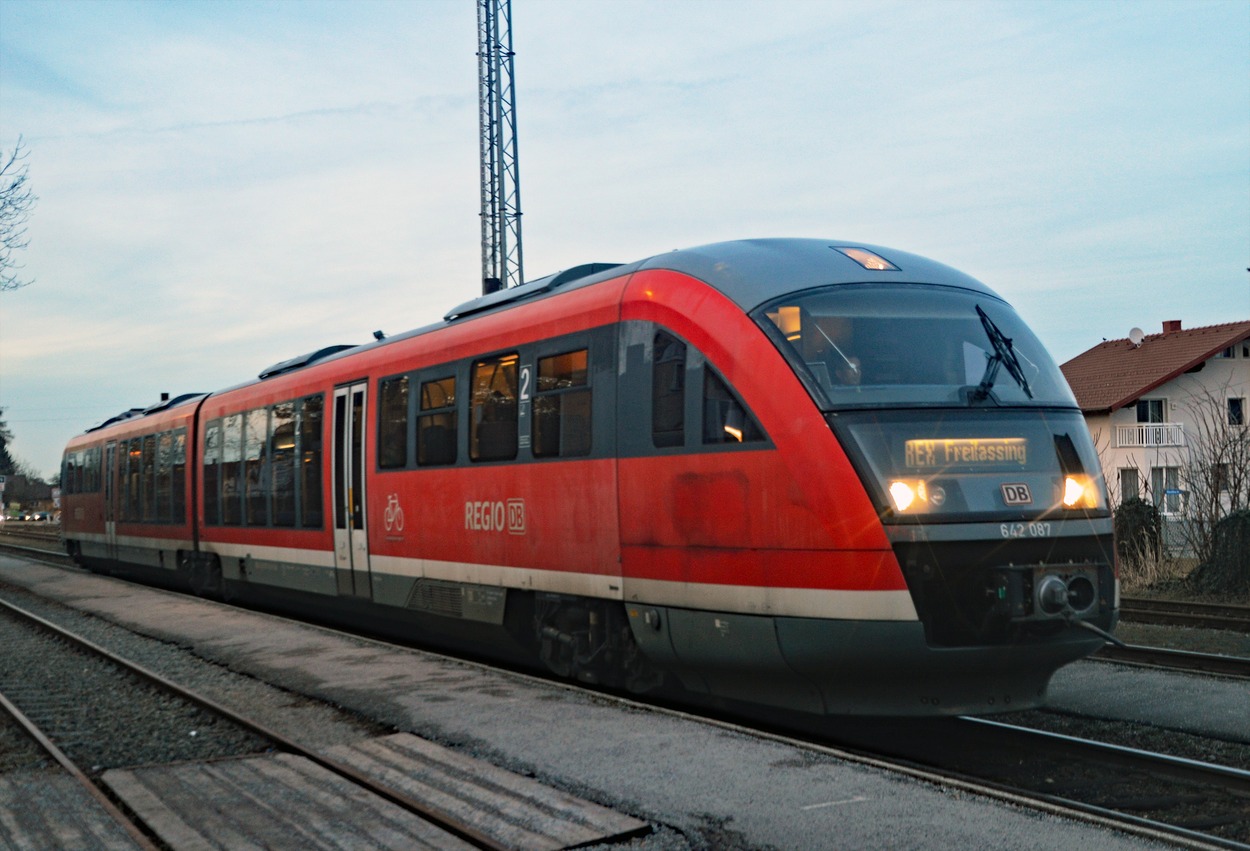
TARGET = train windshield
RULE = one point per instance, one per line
(875, 345)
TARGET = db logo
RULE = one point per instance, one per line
(495, 516)
(1017, 494)
(516, 516)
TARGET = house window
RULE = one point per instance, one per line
(1150, 410)
(1237, 411)
(1165, 488)
(1226, 353)
(1219, 478)
(1130, 484)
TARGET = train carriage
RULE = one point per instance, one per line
(127, 489)
(826, 476)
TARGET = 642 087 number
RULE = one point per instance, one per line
(1025, 530)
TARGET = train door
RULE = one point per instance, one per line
(110, 500)
(351, 542)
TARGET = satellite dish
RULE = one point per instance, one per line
(1136, 336)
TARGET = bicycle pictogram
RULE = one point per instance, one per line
(393, 516)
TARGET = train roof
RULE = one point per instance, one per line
(134, 413)
(754, 271)
(750, 272)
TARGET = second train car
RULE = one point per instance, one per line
(821, 475)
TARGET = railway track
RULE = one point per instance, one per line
(1177, 660)
(382, 792)
(1185, 804)
(1195, 800)
(1196, 615)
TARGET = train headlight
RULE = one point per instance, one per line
(1079, 492)
(907, 493)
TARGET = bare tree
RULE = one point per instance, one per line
(1216, 477)
(16, 203)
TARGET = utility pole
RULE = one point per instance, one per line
(501, 186)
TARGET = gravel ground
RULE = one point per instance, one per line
(146, 708)
(103, 716)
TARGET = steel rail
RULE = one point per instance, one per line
(1177, 613)
(1177, 660)
(447, 822)
(1235, 780)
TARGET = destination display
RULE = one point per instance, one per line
(937, 454)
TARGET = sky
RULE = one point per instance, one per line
(224, 185)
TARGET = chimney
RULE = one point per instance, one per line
(1170, 325)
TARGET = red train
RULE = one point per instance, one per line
(826, 476)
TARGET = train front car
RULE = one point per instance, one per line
(923, 528)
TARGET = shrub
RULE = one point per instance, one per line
(1138, 533)
(1228, 570)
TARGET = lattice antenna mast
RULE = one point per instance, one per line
(501, 185)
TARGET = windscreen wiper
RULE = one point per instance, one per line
(1004, 355)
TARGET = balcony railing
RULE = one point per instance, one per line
(1150, 434)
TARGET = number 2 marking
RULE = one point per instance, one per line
(525, 384)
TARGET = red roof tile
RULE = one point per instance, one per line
(1115, 373)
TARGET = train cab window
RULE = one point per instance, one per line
(255, 435)
(311, 416)
(493, 414)
(436, 423)
(212, 472)
(668, 391)
(562, 406)
(282, 463)
(231, 476)
(725, 420)
(393, 423)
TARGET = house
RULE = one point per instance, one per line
(1157, 405)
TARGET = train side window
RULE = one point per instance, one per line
(668, 391)
(149, 478)
(393, 423)
(179, 475)
(725, 420)
(562, 406)
(436, 423)
(255, 435)
(164, 476)
(212, 472)
(493, 419)
(133, 502)
(231, 476)
(68, 475)
(282, 463)
(311, 415)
